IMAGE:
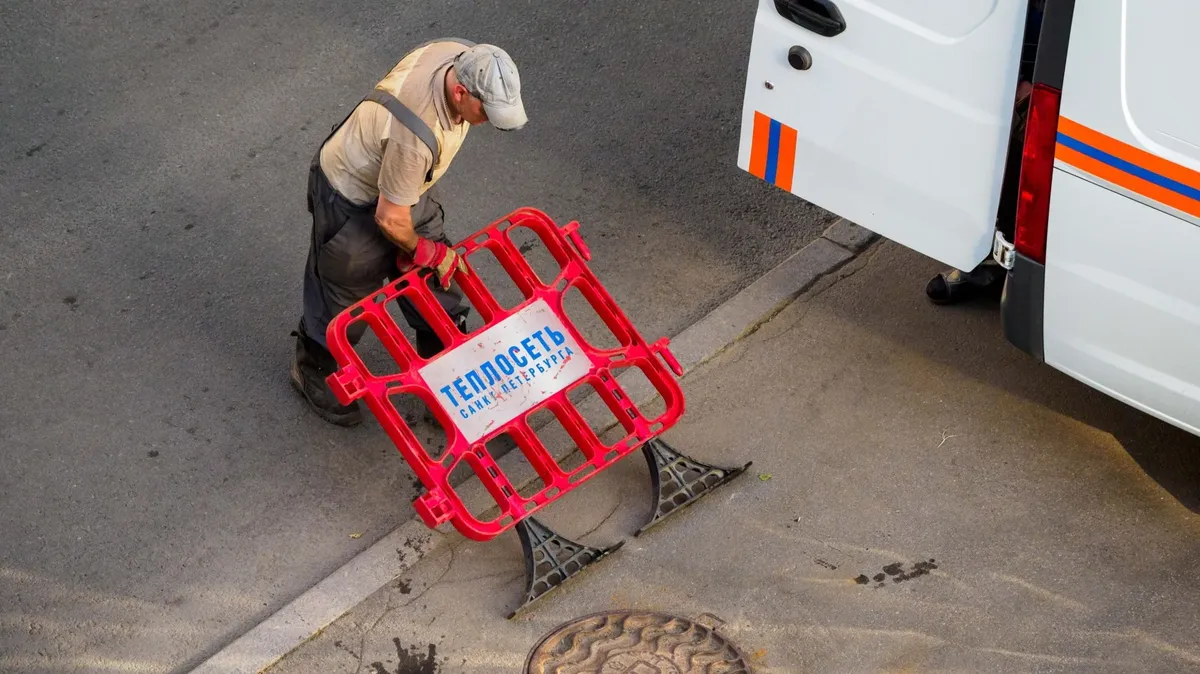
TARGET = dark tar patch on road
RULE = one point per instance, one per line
(897, 573)
(411, 661)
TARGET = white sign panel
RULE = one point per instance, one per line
(506, 370)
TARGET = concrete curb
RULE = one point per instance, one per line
(305, 617)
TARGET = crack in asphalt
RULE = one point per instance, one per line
(851, 268)
(390, 608)
(606, 519)
(848, 270)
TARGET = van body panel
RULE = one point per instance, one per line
(1121, 298)
(1122, 283)
(1160, 103)
(901, 124)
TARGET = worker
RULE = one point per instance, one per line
(375, 212)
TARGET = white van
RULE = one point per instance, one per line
(896, 115)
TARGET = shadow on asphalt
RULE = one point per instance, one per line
(968, 338)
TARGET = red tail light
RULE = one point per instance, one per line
(1037, 168)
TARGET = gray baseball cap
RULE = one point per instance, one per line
(488, 72)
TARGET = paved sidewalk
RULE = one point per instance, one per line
(1003, 517)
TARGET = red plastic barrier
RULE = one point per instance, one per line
(494, 379)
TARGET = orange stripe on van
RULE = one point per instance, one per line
(1122, 179)
(1131, 154)
(760, 145)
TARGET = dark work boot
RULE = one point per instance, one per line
(957, 286)
(311, 364)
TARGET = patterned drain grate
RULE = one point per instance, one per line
(628, 642)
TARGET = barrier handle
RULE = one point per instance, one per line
(571, 229)
(660, 347)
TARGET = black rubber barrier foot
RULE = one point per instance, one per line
(550, 559)
(679, 480)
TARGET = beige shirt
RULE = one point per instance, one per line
(373, 154)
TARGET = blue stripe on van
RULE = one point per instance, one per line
(1132, 169)
(773, 152)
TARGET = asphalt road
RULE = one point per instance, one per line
(163, 488)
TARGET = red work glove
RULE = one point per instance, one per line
(436, 256)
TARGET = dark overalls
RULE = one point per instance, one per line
(350, 258)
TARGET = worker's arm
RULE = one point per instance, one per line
(395, 221)
(406, 162)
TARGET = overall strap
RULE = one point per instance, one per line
(408, 118)
(403, 113)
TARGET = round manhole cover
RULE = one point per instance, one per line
(628, 642)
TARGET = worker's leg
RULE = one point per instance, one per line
(348, 259)
(429, 221)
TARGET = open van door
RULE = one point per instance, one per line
(891, 113)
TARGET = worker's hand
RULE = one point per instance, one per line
(436, 256)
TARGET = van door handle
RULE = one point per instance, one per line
(820, 16)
